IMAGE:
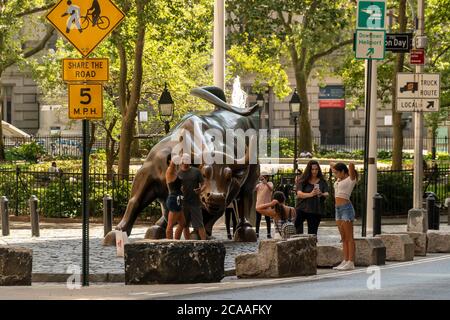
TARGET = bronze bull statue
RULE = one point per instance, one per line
(233, 179)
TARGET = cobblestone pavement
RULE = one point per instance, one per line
(59, 248)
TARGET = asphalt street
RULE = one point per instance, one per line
(421, 279)
(417, 280)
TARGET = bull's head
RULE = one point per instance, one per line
(222, 182)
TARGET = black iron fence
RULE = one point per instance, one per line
(70, 146)
(356, 142)
(395, 186)
(59, 194)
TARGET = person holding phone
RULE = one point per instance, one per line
(312, 189)
(346, 179)
(191, 183)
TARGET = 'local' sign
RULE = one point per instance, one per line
(371, 15)
(370, 44)
(418, 92)
(85, 101)
(82, 70)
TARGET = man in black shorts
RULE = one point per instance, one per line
(191, 181)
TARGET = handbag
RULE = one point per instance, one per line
(288, 230)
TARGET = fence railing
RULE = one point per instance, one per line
(70, 146)
(386, 143)
(59, 194)
(395, 186)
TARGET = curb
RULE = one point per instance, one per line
(230, 272)
(63, 277)
(98, 277)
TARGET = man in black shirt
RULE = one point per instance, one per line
(191, 181)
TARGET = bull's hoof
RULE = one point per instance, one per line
(155, 232)
(245, 233)
(194, 235)
(110, 239)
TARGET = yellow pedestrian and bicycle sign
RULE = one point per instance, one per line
(85, 23)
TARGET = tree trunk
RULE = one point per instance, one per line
(135, 143)
(129, 106)
(305, 134)
(397, 127)
(2, 146)
(93, 126)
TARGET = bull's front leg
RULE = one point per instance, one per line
(158, 231)
(245, 231)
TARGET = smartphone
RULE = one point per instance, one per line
(316, 186)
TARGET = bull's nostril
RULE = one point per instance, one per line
(203, 199)
(208, 194)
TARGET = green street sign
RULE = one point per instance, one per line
(371, 15)
(370, 44)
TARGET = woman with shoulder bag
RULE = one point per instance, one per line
(312, 189)
(282, 214)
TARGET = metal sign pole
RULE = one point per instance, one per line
(366, 144)
(418, 127)
(85, 203)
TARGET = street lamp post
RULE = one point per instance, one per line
(166, 106)
(294, 106)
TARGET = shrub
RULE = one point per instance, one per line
(30, 152)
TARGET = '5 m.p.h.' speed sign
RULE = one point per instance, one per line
(85, 101)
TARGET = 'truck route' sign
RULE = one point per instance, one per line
(418, 92)
(85, 70)
(85, 23)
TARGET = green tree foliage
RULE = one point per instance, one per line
(19, 25)
(158, 42)
(437, 25)
(307, 30)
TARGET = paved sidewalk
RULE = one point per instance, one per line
(59, 246)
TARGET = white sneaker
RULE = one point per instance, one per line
(350, 265)
(343, 263)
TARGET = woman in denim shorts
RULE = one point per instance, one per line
(173, 203)
(346, 178)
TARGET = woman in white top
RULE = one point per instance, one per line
(346, 179)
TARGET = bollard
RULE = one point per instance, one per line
(107, 214)
(377, 213)
(4, 215)
(431, 211)
(436, 217)
(448, 217)
(34, 216)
